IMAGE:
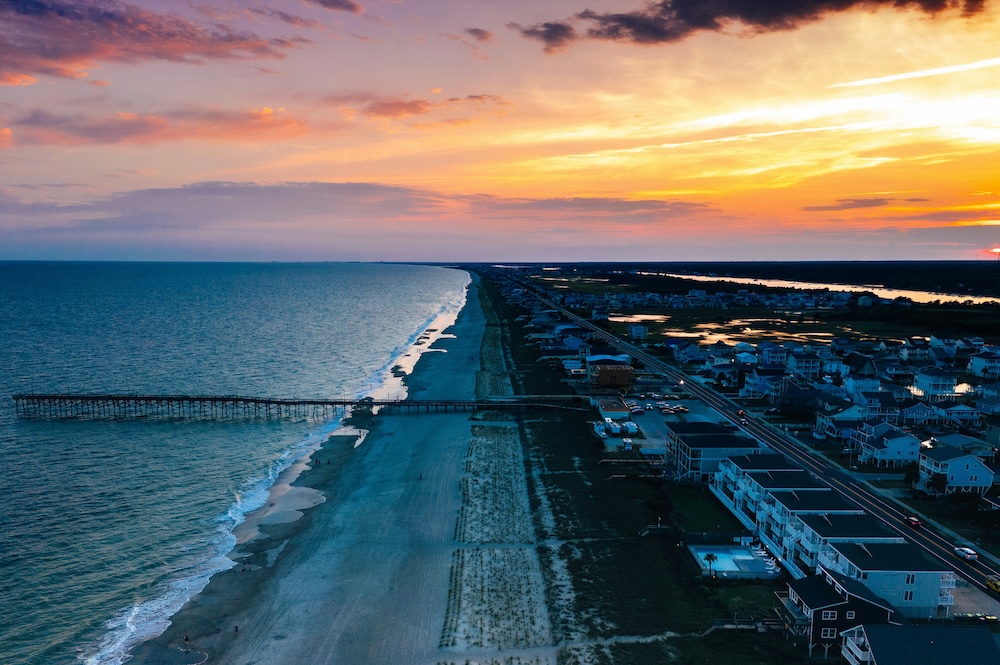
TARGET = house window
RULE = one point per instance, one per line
(973, 479)
(911, 578)
(907, 596)
(828, 633)
(829, 615)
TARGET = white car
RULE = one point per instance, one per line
(966, 553)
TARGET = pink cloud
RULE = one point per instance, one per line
(40, 127)
(397, 108)
(65, 39)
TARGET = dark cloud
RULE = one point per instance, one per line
(556, 35)
(850, 204)
(61, 38)
(479, 34)
(340, 5)
(672, 20)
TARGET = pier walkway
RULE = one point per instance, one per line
(35, 405)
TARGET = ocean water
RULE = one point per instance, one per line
(108, 527)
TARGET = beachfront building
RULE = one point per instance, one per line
(882, 444)
(698, 456)
(869, 644)
(812, 533)
(776, 513)
(816, 609)
(898, 572)
(946, 470)
(734, 487)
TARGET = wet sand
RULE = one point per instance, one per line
(362, 577)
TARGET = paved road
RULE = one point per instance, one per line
(940, 548)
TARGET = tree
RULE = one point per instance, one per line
(710, 558)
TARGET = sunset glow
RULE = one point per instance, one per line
(449, 130)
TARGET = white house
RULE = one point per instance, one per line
(898, 572)
(947, 470)
(985, 365)
(934, 385)
(883, 444)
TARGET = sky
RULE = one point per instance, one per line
(499, 130)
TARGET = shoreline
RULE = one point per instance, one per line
(276, 544)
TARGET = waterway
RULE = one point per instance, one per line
(880, 291)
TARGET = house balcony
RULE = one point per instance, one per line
(795, 620)
(829, 561)
(948, 580)
(946, 599)
(856, 652)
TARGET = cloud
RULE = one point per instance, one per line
(851, 204)
(317, 220)
(340, 5)
(669, 21)
(285, 17)
(556, 35)
(479, 34)
(65, 39)
(378, 107)
(41, 127)
(397, 108)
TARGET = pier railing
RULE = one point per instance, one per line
(119, 406)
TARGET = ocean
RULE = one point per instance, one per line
(108, 527)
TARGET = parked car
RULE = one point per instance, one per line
(912, 521)
(773, 411)
(967, 553)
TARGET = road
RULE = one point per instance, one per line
(938, 547)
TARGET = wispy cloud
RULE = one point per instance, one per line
(402, 107)
(41, 127)
(850, 204)
(65, 39)
(924, 73)
(479, 34)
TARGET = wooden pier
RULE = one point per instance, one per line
(233, 406)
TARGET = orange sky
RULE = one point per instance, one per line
(447, 130)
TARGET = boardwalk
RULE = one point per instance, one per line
(234, 406)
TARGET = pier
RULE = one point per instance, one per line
(114, 406)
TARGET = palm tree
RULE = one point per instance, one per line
(710, 558)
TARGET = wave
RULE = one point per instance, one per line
(148, 619)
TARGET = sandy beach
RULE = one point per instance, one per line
(421, 550)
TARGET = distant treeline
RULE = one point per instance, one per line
(975, 278)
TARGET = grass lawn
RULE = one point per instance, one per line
(697, 510)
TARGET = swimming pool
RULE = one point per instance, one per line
(733, 561)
